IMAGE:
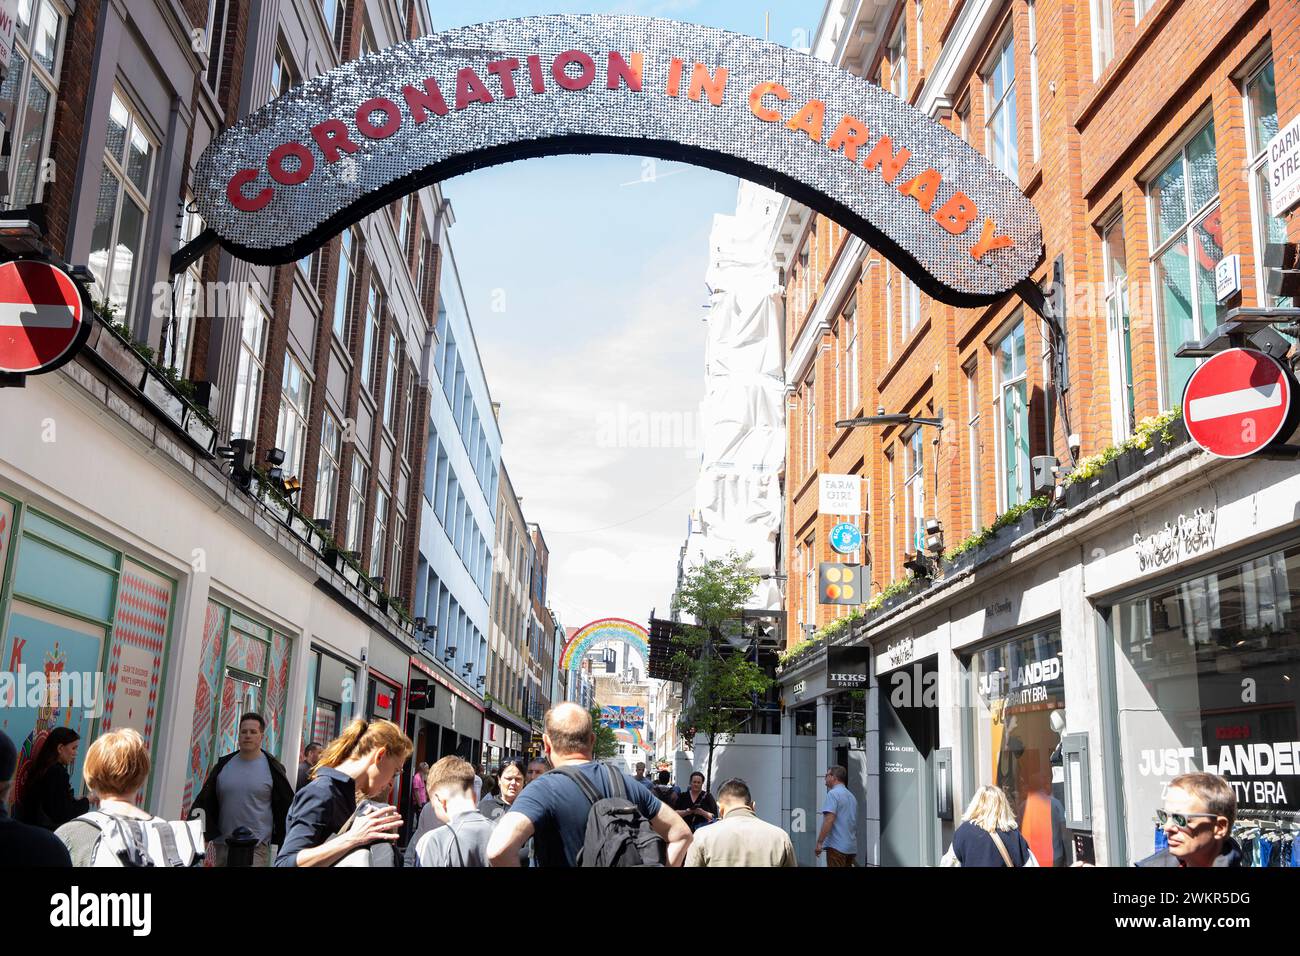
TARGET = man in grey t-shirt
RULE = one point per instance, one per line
(247, 788)
(839, 832)
(463, 840)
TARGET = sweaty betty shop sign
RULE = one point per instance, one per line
(280, 182)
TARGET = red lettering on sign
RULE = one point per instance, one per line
(848, 136)
(957, 213)
(504, 70)
(702, 82)
(675, 76)
(810, 120)
(756, 101)
(332, 136)
(275, 165)
(235, 192)
(988, 241)
(535, 73)
(922, 188)
(618, 69)
(392, 118)
(421, 103)
(585, 63)
(470, 89)
(883, 155)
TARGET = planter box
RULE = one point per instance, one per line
(960, 563)
(164, 399)
(351, 575)
(1075, 493)
(121, 358)
(1178, 428)
(1129, 462)
(199, 430)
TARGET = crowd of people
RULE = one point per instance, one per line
(564, 809)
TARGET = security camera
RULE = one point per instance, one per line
(1075, 442)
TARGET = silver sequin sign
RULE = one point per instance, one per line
(295, 172)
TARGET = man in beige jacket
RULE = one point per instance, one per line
(739, 837)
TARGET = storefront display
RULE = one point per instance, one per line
(243, 668)
(1018, 703)
(1207, 677)
(331, 692)
(91, 623)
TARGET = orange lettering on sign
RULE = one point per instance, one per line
(810, 119)
(956, 214)
(703, 82)
(618, 69)
(849, 135)
(675, 76)
(883, 155)
(922, 188)
(756, 101)
(989, 241)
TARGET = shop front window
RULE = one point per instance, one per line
(331, 690)
(1018, 710)
(1207, 678)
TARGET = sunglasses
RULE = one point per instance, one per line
(1180, 819)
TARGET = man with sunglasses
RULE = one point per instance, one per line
(1197, 818)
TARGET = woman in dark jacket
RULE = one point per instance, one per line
(47, 799)
(696, 805)
(988, 835)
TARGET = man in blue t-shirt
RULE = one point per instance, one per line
(553, 809)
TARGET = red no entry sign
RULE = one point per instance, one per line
(42, 317)
(1239, 401)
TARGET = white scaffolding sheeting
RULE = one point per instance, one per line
(738, 501)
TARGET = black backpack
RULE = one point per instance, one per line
(618, 834)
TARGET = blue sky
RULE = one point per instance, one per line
(584, 277)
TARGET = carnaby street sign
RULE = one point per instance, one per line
(284, 179)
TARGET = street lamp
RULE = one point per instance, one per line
(895, 418)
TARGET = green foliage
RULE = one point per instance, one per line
(719, 684)
(893, 590)
(1143, 435)
(1008, 517)
(606, 742)
(821, 636)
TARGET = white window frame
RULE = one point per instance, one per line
(889, 312)
(127, 188)
(920, 38)
(973, 420)
(996, 112)
(1118, 322)
(357, 503)
(1002, 389)
(810, 425)
(1186, 232)
(187, 297)
(391, 380)
(328, 467)
(891, 529)
(291, 423)
(34, 72)
(1141, 8)
(914, 489)
(334, 30)
(849, 332)
(369, 357)
(378, 533)
(1103, 36)
(898, 79)
(1033, 79)
(216, 43)
(1256, 179)
(250, 370)
(343, 285)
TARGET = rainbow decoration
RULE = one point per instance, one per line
(605, 629)
(634, 736)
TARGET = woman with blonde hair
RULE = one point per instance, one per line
(988, 835)
(363, 761)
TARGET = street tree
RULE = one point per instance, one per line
(720, 683)
(606, 742)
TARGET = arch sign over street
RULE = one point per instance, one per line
(283, 180)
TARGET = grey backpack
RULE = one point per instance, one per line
(157, 842)
(618, 834)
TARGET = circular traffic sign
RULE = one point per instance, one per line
(845, 537)
(1238, 402)
(42, 317)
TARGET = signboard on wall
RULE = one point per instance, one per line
(847, 667)
(839, 495)
(1284, 169)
